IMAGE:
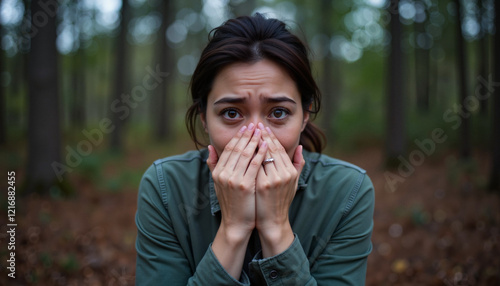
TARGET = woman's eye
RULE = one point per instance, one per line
(231, 114)
(279, 113)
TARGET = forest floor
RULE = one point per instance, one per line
(437, 227)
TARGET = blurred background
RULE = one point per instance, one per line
(92, 92)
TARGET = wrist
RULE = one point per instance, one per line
(229, 247)
(275, 240)
(234, 235)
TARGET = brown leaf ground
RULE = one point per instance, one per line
(439, 227)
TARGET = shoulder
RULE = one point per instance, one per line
(336, 181)
(174, 173)
(325, 166)
(179, 165)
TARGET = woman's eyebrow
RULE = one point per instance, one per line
(278, 99)
(230, 100)
(234, 100)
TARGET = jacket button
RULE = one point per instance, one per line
(273, 274)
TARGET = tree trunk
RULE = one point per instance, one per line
(242, 8)
(395, 141)
(163, 102)
(495, 171)
(3, 130)
(462, 84)
(120, 110)
(421, 69)
(78, 75)
(44, 135)
(329, 82)
(78, 95)
(483, 54)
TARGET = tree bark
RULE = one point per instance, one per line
(463, 87)
(78, 76)
(495, 170)
(483, 54)
(163, 103)
(421, 68)
(3, 129)
(44, 135)
(395, 140)
(329, 82)
(120, 111)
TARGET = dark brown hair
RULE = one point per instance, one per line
(250, 39)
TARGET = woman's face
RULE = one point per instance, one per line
(245, 93)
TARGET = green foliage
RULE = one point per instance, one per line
(69, 263)
(46, 259)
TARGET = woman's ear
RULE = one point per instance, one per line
(203, 119)
(305, 121)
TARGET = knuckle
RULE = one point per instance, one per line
(231, 183)
(277, 182)
(228, 148)
(265, 185)
(247, 153)
(242, 186)
(255, 163)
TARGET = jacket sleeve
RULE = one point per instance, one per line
(343, 259)
(160, 257)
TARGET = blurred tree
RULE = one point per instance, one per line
(121, 67)
(463, 87)
(44, 135)
(78, 70)
(495, 171)
(329, 82)
(422, 59)
(163, 102)
(484, 52)
(241, 8)
(3, 129)
(395, 138)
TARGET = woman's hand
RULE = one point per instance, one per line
(234, 175)
(276, 186)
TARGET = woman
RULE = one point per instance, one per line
(258, 206)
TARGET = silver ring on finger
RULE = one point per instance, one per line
(267, 161)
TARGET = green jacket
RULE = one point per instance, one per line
(178, 216)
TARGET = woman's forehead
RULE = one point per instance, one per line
(264, 80)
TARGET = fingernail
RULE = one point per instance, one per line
(261, 126)
(251, 126)
(243, 129)
(257, 132)
(268, 130)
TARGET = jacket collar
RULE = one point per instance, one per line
(214, 202)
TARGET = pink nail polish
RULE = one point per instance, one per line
(268, 130)
(257, 132)
(261, 126)
(242, 129)
(251, 126)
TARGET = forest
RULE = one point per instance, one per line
(92, 92)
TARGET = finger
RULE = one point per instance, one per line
(226, 153)
(256, 163)
(270, 168)
(242, 149)
(212, 158)
(298, 159)
(274, 147)
(248, 153)
(285, 158)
